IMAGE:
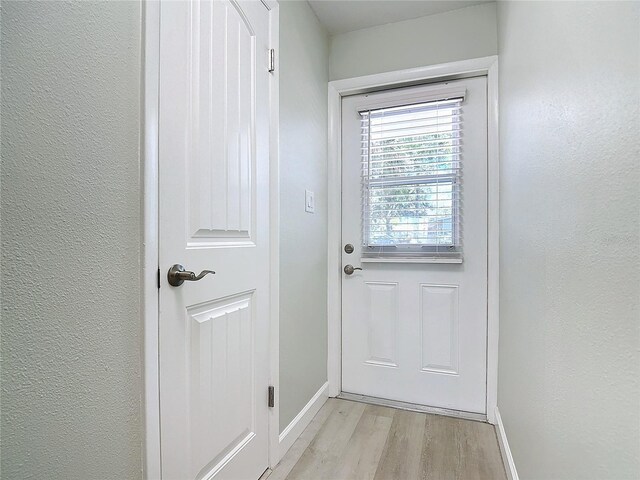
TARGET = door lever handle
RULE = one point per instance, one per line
(349, 269)
(177, 275)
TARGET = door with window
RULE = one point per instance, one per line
(414, 252)
(214, 215)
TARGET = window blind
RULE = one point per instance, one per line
(411, 179)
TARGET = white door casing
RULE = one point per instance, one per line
(214, 214)
(417, 332)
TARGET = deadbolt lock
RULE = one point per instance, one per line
(348, 248)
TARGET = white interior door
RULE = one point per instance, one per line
(414, 193)
(214, 207)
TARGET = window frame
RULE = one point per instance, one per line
(450, 250)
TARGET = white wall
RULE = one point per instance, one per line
(569, 390)
(446, 37)
(303, 60)
(71, 328)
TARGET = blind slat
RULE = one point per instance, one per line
(401, 134)
(452, 117)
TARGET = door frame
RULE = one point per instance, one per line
(485, 66)
(150, 293)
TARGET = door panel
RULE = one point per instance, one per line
(214, 208)
(382, 323)
(439, 322)
(414, 328)
(220, 372)
(220, 127)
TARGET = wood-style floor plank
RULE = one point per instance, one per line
(483, 459)
(360, 459)
(440, 458)
(456, 449)
(320, 459)
(300, 445)
(353, 441)
(402, 451)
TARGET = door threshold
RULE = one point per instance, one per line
(413, 407)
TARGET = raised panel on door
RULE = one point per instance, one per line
(220, 372)
(439, 325)
(220, 132)
(382, 323)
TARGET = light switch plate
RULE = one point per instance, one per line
(309, 202)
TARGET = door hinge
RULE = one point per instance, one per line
(272, 396)
(272, 60)
(158, 278)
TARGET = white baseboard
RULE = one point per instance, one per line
(290, 434)
(507, 458)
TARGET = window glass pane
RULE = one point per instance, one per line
(415, 215)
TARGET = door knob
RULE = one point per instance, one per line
(177, 275)
(349, 269)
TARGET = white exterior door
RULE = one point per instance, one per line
(214, 210)
(414, 193)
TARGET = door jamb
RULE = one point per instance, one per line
(447, 71)
(150, 293)
(274, 233)
(150, 98)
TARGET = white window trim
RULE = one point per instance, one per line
(352, 86)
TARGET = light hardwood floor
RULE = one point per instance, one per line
(351, 440)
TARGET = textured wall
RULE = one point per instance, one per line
(446, 37)
(569, 390)
(71, 329)
(304, 53)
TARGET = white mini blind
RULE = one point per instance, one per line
(411, 179)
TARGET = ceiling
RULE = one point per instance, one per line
(339, 16)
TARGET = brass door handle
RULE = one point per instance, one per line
(177, 275)
(349, 269)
